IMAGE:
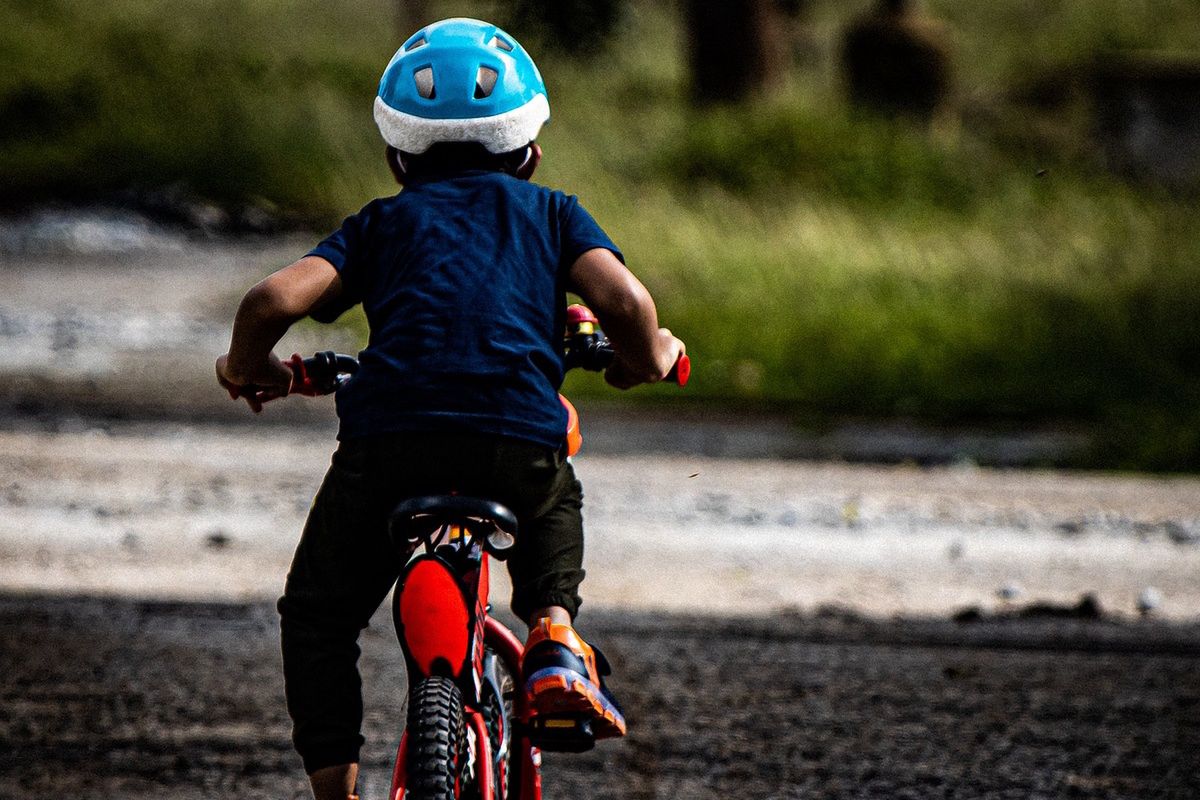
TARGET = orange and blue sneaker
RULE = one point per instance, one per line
(563, 677)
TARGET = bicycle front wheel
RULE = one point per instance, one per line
(497, 708)
(436, 741)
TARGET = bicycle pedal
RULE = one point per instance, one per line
(562, 734)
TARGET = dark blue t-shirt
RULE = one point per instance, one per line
(462, 279)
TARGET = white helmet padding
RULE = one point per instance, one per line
(501, 133)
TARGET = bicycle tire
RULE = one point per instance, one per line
(436, 740)
(492, 710)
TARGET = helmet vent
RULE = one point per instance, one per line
(485, 81)
(501, 44)
(418, 42)
(424, 80)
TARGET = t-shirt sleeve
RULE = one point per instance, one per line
(580, 233)
(345, 249)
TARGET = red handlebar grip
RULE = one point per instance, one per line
(681, 371)
(302, 382)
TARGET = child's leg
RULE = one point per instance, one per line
(563, 673)
(547, 564)
(335, 783)
(556, 614)
(342, 570)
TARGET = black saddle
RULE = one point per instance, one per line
(417, 517)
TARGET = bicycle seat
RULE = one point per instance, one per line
(417, 515)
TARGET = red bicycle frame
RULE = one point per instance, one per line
(440, 610)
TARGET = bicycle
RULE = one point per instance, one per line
(470, 731)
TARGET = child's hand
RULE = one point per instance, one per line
(256, 386)
(667, 351)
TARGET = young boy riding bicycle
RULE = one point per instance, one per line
(462, 276)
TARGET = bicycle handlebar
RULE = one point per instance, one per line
(597, 355)
(323, 373)
(586, 348)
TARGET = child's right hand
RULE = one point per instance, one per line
(268, 381)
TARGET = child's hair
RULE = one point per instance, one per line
(447, 158)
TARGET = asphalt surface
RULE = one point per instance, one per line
(136, 699)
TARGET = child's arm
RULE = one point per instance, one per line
(250, 369)
(645, 353)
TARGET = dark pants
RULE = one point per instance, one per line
(344, 565)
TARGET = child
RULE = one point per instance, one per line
(463, 278)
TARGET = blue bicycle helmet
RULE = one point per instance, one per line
(461, 80)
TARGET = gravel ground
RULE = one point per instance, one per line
(124, 470)
(213, 513)
(119, 698)
(145, 525)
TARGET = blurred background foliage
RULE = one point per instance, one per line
(990, 266)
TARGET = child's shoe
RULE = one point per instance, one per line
(563, 678)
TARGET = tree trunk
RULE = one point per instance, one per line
(897, 61)
(737, 48)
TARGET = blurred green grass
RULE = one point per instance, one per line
(233, 101)
(815, 261)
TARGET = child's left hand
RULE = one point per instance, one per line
(270, 380)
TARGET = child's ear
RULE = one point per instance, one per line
(395, 161)
(530, 164)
